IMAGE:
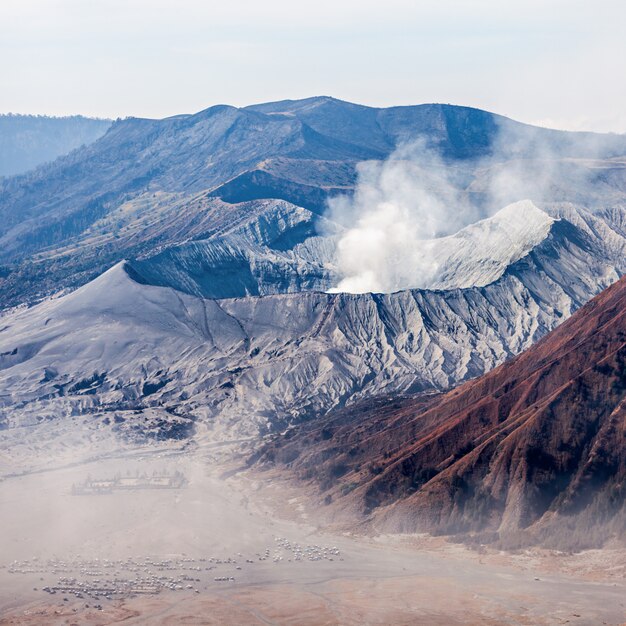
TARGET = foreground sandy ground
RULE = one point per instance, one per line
(395, 600)
(375, 580)
(408, 600)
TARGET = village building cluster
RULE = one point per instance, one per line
(107, 579)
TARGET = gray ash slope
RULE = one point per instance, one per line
(149, 184)
(144, 361)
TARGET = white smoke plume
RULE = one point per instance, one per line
(414, 196)
(397, 204)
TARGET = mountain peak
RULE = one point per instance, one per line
(289, 107)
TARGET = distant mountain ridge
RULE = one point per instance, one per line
(119, 197)
(28, 141)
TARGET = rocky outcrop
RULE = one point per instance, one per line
(534, 451)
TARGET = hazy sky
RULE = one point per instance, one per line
(553, 62)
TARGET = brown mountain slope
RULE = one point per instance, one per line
(534, 451)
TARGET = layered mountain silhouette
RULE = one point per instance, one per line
(534, 451)
(149, 184)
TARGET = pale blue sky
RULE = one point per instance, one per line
(554, 62)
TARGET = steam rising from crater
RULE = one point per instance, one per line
(397, 204)
(414, 196)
